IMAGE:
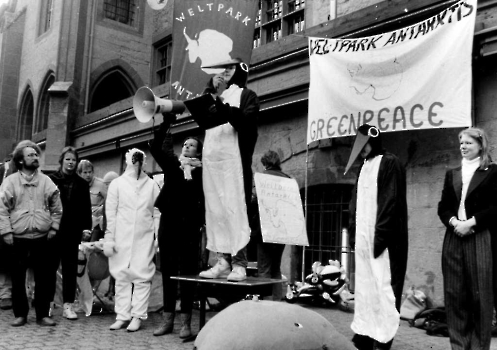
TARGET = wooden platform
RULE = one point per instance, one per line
(222, 288)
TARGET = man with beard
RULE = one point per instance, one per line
(30, 213)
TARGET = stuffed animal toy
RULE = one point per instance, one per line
(325, 283)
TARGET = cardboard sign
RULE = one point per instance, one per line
(280, 210)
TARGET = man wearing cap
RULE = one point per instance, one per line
(227, 169)
(379, 221)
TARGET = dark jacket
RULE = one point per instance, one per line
(480, 202)
(181, 202)
(76, 205)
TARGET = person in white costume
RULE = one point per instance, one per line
(379, 208)
(129, 242)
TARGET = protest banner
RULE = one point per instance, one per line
(206, 33)
(417, 77)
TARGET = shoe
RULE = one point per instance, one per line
(167, 325)
(134, 325)
(69, 312)
(362, 342)
(118, 325)
(238, 274)
(220, 270)
(18, 322)
(6, 304)
(186, 330)
(382, 346)
(46, 322)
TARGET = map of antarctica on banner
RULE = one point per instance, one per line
(417, 77)
(280, 210)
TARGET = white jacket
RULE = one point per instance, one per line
(132, 223)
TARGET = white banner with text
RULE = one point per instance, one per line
(417, 77)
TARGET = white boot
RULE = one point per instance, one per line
(118, 325)
(238, 274)
(220, 270)
(134, 325)
(69, 312)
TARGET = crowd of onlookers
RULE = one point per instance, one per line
(43, 220)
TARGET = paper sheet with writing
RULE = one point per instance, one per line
(280, 210)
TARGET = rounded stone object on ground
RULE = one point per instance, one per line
(269, 325)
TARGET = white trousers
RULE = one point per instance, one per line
(131, 299)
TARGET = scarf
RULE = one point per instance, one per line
(188, 164)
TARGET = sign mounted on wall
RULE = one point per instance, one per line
(417, 77)
(206, 33)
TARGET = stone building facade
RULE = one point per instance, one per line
(69, 70)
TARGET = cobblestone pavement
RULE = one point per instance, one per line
(93, 333)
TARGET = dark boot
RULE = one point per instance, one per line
(186, 331)
(167, 324)
(363, 342)
(382, 346)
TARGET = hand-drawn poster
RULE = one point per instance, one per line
(280, 210)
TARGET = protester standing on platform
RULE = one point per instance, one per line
(268, 254)
(381, 241)
(30, 214)
(227, 170)
(74, 227)
(468, 209)
(129, 242)
(181, 203)
(98, 192)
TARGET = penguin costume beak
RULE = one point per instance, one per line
(224, 64)
(364, 133)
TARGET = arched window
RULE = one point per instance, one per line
(112, 87)
(44, 105)
(25, 124)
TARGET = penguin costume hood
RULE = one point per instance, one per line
(241, 71)
(365, 133)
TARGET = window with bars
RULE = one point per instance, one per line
(122, 11)
(46, 15)
(327, 215)
(278, 18)
(162, 61)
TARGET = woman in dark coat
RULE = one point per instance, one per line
(181, 203)
(76, 218)
(468, 209)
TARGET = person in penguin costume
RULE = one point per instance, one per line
(227, 169)
(379, 209)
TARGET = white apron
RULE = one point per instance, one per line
(375, 314)
(225, 208)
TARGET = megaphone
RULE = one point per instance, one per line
(146, 105)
